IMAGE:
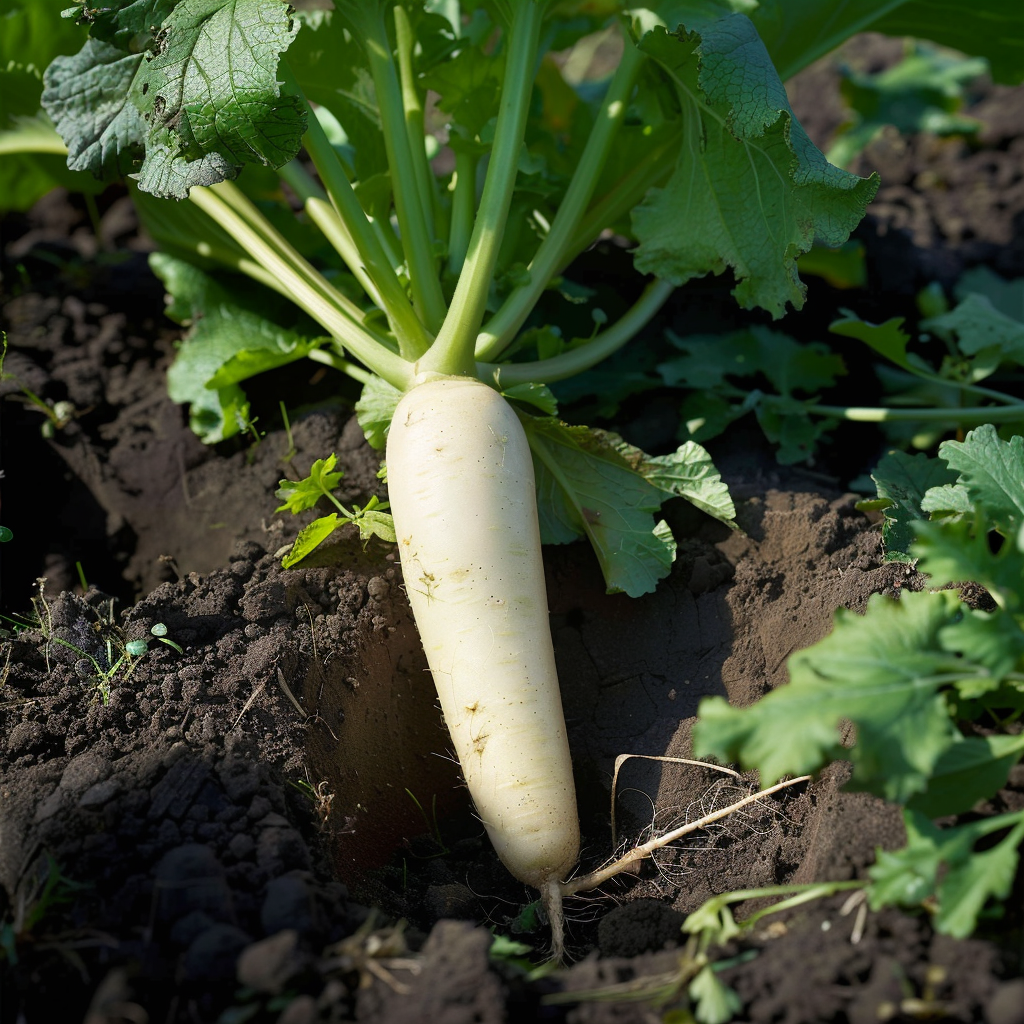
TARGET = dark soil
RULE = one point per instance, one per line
(232, 833)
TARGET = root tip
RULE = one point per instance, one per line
(551, 898)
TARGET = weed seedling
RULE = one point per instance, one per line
(101, 661)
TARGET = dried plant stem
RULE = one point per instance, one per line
(623, 758)
(629, 860)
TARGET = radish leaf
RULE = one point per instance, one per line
(585, 488)
(946, 865)
(231, 337)
(902, 481)
(883, 671)
(969, 771)
(299, 495)
(992, 472)
(199, 101)
(750, 190)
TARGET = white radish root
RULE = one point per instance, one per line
(462, 493)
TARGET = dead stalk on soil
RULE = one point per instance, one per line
(623, 758)
(632, 858)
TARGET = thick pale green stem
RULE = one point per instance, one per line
(417, 241)
(568, 364)
(306, 287)
(409, 330)
(336, 362)
(622, 197)
(452, 352)
(326, 218)
(517, 307)
(183, 228)
(426, 183)
(231, 195)
(463, 208)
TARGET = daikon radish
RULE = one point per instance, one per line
(461, 486)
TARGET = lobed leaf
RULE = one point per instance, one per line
(956, 552)
(715, 365)
(902, 481)
(585, 488)
(714, 1001)
(687, 473)
(882, 671)
(946, 865)
(190, 107)
(980, 327)
(299, 495)
(992, 472)
(750, 191)
(373, 522)
(887, 339)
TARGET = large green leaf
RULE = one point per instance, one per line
(750, 191)
(590, 483)
(198, 102)
(87, 95)
(687, 473)
(883, 671)
(586, 488)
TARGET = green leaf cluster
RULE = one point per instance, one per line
(754, 370)
(925, 91)
(934, 380)
(982, 471)
(934, 688)
(444, 165)
(371, 519)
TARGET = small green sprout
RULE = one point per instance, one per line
(300, 495)
(101, 664)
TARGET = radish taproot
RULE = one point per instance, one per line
(462, 493)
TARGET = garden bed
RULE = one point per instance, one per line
(239, 826)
